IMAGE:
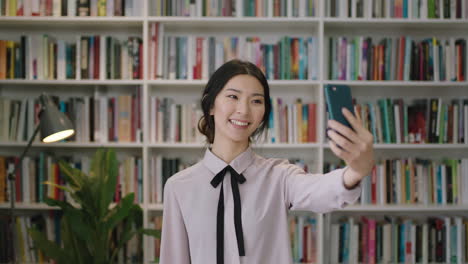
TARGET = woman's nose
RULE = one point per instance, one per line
(243, 107)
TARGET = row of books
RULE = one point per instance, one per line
(417, 181)
(155, 243)
(161, 168)
(50, 224)
(99, 118)
(403, 58)
(395, 240)
(34, 171)
(292, 122)
(197, 57)
(432, 120)
(303, 234)
(174, 122)
(70, 8)
(25, 252)
(44, 57)
(414, 9)
(228, 8)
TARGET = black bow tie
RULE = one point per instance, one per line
(235, 179)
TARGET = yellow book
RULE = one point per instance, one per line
(403, 180)
(3, 59)
(299, 120)
(102, 7)
(20, 241)
(12, 6)
(51, 60)
(11, 70)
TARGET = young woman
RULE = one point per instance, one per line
(232, 206)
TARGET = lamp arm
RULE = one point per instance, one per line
(11, 179)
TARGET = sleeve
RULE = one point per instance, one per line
(319, 193)
(174, 239)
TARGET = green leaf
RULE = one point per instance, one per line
(72, 175)
(120, 211)
(61, 187)
(62, 204)
(109, 179)
(50, 249)
(151, 232)
(78, 249)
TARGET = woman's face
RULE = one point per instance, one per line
(238, 109)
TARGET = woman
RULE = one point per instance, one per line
(232, 206)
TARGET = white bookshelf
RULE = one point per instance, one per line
(319, 26)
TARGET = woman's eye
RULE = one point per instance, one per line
(258, 102)
(232, 96)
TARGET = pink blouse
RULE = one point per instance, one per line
(272, 187)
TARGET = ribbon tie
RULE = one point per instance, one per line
(235, 179)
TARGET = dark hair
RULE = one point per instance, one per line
(216, 83)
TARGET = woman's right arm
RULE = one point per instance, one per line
(174, 239)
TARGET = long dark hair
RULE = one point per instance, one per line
(216, 83)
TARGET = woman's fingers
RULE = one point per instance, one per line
(341, 141)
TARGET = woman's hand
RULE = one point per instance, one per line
(356, 147)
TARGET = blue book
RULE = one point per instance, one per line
(302, 59)
(407, 65)
(439, 184)
(402, 244)
(140, 180)
(405, 8)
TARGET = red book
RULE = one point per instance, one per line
(364, 240)
(140, 66)
(374, 185)
(96, 58)
(198, 67)
(133, 120)
(304, 244)
(372, 241)
(111, 119)
(18, 181)
(401, 59)
(312, 131)
(460, 76)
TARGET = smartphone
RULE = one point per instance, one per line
(337, 97)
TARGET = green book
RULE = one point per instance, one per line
(391, 121)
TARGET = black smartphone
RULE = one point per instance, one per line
(337, 97)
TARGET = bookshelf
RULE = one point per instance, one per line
(322, 25)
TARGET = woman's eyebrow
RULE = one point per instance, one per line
(238, 91)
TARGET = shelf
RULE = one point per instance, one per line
(394, 23)
(77, 145)
(258, 24)
(397, 83)
(155, 207)
(29, 206)
(416, 146)
(198, 83)
(405, 208)
(71, 82)
(47, 21)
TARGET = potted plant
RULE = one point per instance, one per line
(87, 224)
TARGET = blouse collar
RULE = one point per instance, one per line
(240, 163)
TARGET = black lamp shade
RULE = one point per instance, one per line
(54, 124)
